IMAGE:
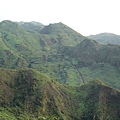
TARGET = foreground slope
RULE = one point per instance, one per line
(28, 94)
(98, 102)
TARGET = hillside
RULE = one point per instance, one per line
(106, 38)
(58, 51)
(29, 94)
(89, 51)
(66, 35)
(22, 48)
(97, 61)
(53, 72)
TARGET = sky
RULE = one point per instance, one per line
(85, 16)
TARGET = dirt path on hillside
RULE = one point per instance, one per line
(81, 77)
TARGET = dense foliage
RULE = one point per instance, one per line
(28, 94)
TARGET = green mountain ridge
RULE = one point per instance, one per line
(93, 52)
(31, 49)
(63, 54)
(32, 26)
(59, 55)
(70, 63)
(106, 38)
(65, 34)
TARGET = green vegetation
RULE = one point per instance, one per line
(106, 38)
(54, 50)
(48, 72)
(28, 94)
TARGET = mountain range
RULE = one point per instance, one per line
(55, 72)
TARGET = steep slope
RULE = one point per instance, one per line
(16, 37)
(98, 102)
(86, 51)
(97, 61)
(60, 52)
(23, 48)
(15, 42)
(28, 94)
(65, 56)
(89, 51)
(66, 35)
(106, 38)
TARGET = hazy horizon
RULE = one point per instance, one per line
(86, 17)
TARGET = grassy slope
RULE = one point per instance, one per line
(31, 49)
(96, 61)
(30, 94)
(50, 52)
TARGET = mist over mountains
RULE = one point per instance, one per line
(54, 71)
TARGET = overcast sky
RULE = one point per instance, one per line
(85, 16)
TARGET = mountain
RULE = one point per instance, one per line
(60, 52)
(23, 48)
(53, 72)
(29, 94)
(89, 51)
(32, 26)
(66, 35)
(97, 61)
(106, 38)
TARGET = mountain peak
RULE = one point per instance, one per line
(58, 28)
(53, 28)
(7, 23)
(11, 27)
(89, 42)
(87, 45)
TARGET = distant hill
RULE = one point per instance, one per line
(106, 38)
